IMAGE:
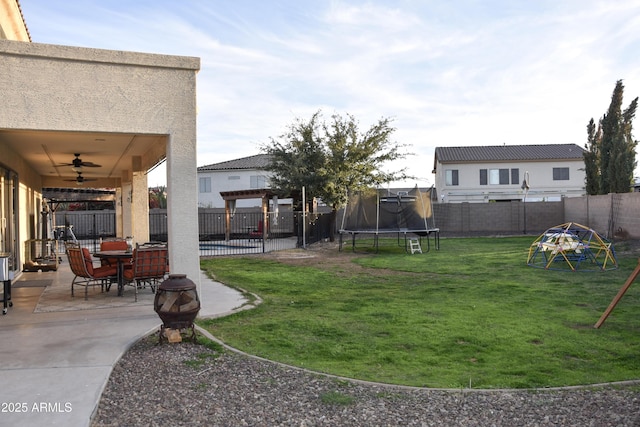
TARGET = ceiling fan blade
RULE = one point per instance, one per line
(78, 163)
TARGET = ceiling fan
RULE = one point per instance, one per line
(79, 180)
(77, 164)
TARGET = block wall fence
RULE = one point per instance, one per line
(614, 216)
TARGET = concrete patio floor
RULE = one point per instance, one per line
(56, 356)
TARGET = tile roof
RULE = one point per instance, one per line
(508, 153)
(258, 161)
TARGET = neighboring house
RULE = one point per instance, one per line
(498, 173)
(246, 173)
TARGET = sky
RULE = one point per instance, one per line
(448, 73)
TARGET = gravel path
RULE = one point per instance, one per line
(191, 385)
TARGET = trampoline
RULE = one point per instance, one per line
(379, 212)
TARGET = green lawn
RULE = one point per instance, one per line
(470, 315)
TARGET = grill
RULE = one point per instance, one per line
(177, 304)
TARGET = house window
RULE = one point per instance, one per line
(233, 177)
(498, 176)
(494, 176)
(483, 177)
(258, 181)
(560, 174)
(451, 176)
(515, 176)
(205, 184)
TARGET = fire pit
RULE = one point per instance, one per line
(177, 304)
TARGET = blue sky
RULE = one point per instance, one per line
(449, 73)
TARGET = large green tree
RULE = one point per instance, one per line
(298, 157)
(335, 158)
(610, 156)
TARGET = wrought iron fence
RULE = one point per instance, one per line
(87, 224)
(246, 232)
(317, 228)
(158, 225)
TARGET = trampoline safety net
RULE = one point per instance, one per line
(382, 211)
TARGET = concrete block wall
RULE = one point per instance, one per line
(456, 219)
(626, 219)
(614, 216)
(576, 209)
(543, 215)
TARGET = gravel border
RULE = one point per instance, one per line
(192, 385)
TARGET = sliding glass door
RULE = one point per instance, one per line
(8, 217)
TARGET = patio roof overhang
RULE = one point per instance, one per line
(124, 111)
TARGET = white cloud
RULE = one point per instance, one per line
(461, 72)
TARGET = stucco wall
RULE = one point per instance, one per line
(50, 87)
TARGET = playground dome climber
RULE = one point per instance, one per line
(574, 247)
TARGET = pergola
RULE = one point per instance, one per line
(230, 197)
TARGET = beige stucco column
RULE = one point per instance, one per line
(182, 204)
(126, 200)
(140, 208)
(136, 202)
(119, 210)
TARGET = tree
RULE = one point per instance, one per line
(331, 160)
(610, 158)
(158, 197)
(592, 158)
(298, 159)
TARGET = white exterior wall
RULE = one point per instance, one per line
(541, 183)
(229, 180)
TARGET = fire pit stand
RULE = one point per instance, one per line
(177, 304)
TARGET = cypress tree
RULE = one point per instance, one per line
(611, 155)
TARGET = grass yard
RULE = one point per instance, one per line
(471, 315)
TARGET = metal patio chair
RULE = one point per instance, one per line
(150, 265)
(81, 264)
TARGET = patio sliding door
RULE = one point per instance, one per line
(8, 217)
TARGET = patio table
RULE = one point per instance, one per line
(120, 256)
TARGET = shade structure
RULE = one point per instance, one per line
(572, 247)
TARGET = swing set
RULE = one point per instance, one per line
(617, 298)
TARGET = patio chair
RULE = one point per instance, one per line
(112, 244)
(86, 274)
(257, 233)
(150, 265)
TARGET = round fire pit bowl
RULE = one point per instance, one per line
(177, 304)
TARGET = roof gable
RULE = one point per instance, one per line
(508, 153)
